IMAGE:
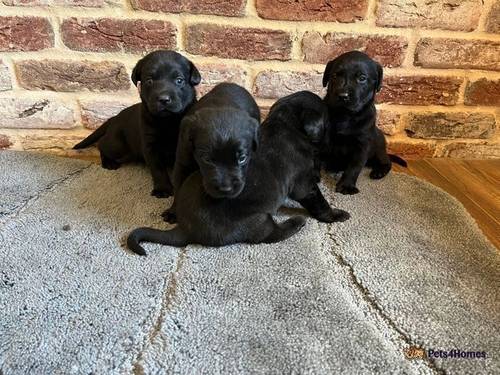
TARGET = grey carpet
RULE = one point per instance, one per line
(410, 268)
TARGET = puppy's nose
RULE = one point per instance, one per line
(225, 188)
(344, 96)
(165, 99)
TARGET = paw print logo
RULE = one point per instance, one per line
(414, 352)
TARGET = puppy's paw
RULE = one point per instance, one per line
(160, 193)
(340, 215)
(378, 173)
(346, 190)
(110, 164)
(299, 221)
(333, 215)
(169, 216)
(293, 225)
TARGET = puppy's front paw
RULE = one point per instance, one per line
(333, 215)
(161, 193)
(110, 164)
(340, 215)
(378, 173)
(169, 216)
(346, 190)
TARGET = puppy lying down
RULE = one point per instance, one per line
(233, 196)
(218, 137)
(148, 131)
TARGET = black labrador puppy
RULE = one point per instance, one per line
(217, 137)
(354, 140)
(282, 167)
(148, 131)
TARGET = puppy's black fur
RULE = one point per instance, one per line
(217, 137)
(148, 131)
(353, 139)
(283, 166)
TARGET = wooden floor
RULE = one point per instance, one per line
(475, 183)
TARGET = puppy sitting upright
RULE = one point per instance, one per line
(148, 131)
(354, 139)
(282, 167)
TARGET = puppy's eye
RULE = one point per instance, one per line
(242, 159)
(362, 79)
(149, 81)
(179, 81)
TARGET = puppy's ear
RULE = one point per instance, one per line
(326, 74)
(380, 73)
(195, 77)
(255, 125)
(136, 72)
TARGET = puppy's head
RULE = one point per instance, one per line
(166, 80)
(306, 111)
(352, 79)
(314, 124)
(223, 147)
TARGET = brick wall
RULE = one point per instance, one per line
(65, 64)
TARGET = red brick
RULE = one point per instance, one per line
(493, 20)
(213, 74)
(458, 53)
(410, 149)
(26, 113)
(483, 92)
(5, 82)
(440, 14)
(420, 90)
(4, 142)
(387, 50)
(95, 112)
(469, 150)
(25, 34)
(389, 121)
(114, 35)
(272, 85)
(313, 10)
(76, 3)
(238, 42)
(67, 75)
(221, 8)
(441, 125)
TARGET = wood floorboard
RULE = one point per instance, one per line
(477, 188)
(489, 170)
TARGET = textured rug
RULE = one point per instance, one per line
(410, 268)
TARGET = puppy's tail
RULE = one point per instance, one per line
(398, 160)
(92, 138)
(173, 237)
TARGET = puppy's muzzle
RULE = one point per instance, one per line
(165, 99)
(225, 189)
(166, 102)
(344, 97)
